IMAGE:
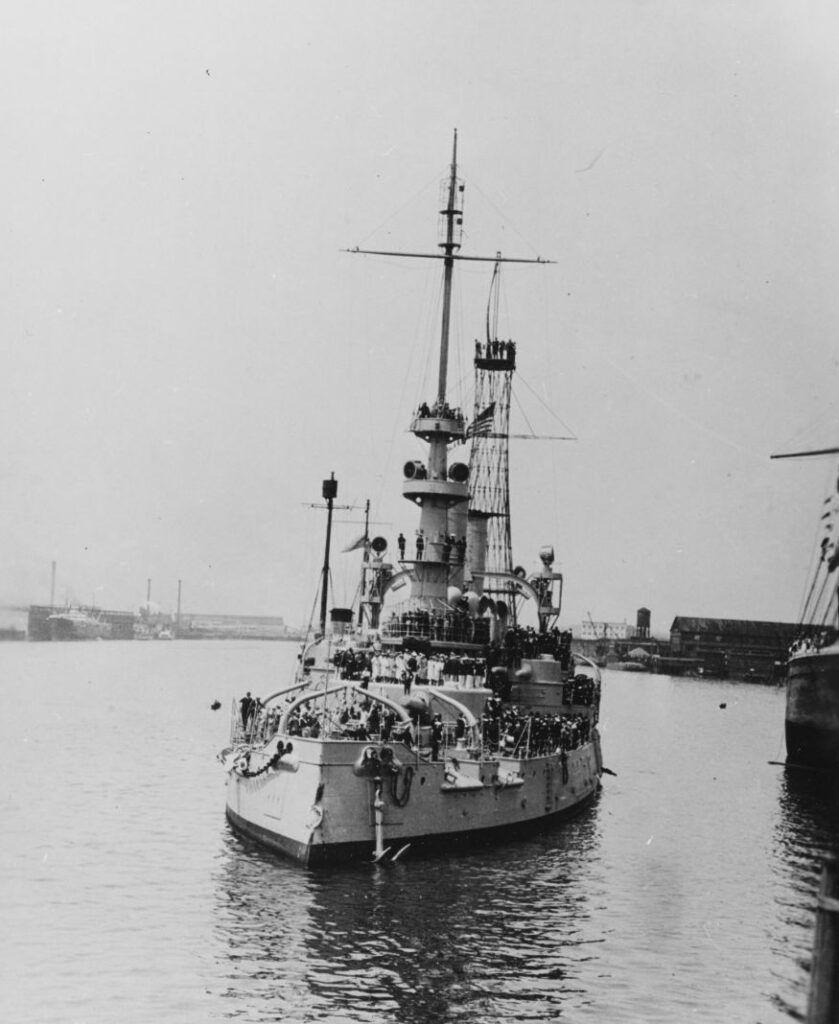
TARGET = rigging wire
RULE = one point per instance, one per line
(458, 328)
(812, 429)
(523, 413)
(812, 608)
(549, 376)
(312, 612)
(395, 213)
(419, 339)
(545, 404)
(808, 607)
(514, 229)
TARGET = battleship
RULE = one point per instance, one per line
(428, 716)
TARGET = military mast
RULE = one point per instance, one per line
(437, 487)
(440, 490)
(489, 473)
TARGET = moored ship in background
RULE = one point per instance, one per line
(78, 624)
(812, 683)
(436, 718)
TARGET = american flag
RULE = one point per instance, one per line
(482, 424)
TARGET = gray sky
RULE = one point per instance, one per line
(187, 353)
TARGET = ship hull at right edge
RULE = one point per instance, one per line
(812, 712)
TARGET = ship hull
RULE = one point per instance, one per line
(336, 853)
(67, 627)
(321, 811)
(812, 709)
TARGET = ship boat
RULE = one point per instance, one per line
(78, 624)
(812, 675)
(429, 716)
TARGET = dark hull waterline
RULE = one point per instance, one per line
(812, 709)
(319, 855)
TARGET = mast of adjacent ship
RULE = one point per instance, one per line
(822, 600)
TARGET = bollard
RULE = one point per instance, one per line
(823, 1001)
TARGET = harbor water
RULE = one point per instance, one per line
(686, 891)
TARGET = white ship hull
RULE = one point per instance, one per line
(319, 806)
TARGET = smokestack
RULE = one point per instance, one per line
(52, 587)
(148, 592)
(178, 619)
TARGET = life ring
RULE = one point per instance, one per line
(315, 817)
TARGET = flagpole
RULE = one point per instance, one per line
(365, 559)
(330, 490)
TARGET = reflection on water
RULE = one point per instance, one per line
(806, 829)
(495, 934)
(807, 824)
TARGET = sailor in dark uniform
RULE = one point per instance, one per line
(436, 737)
(246, 704)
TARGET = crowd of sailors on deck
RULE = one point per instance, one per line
(503, 729)
(582, 690)
(408, 668)
(526, 642)
(449, 626)
(823, 638)
(460, 627)
(511, 730)
(507, 730)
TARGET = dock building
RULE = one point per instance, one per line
(735, 648)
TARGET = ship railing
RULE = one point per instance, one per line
(236, 730)
(520, 742)
(474, 681)
(449, 630)
(241, 732)
(438, 411)
(409, 626)
(260, 727)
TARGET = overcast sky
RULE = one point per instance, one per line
(187, 353)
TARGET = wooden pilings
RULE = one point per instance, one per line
(823, 1001)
